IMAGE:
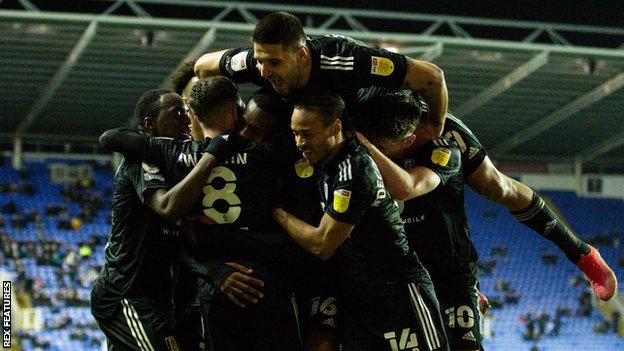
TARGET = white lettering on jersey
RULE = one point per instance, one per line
(189, 160)
(238, 159)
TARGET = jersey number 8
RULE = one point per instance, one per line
(220, 202)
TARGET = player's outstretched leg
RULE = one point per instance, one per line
(530, 209)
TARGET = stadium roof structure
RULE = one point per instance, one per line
(530, 91)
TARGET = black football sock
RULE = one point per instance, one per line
(539, 217)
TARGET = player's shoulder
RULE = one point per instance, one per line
(333, 44)
(127, 166)
(167, 142)
(362, 162)
(237, 59)
(452, 122)
(134, 170)
(441, 151)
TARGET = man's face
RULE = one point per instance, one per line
(173, 119)
(281, 66)
(313, 138)
(258, 123)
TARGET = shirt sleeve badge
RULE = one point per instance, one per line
(239, 61)
(440, 156)
(381, 66)
(341, 200)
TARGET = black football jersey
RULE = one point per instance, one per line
(142, 245)
(339, 63)
(353, 191)
(238, 191)
(436, 223)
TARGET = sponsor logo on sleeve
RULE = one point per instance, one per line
(341, 200)
(381, 66)
(440, 156)
(239, 61)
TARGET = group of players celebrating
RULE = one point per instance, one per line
(218, 241)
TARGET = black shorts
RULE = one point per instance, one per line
(472, 152)
(459, 304)
(189, 328)
(270, 325)
(317, 298)
(398, 316)
(138, 325)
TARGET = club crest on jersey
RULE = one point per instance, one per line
(303, 168)
(381, 66)
(341, 200)
(150, 168)
(440, 156)
(239, 61)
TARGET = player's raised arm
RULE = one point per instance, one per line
(208, 64)
(427, 80)
(124, 141)
(177, 201)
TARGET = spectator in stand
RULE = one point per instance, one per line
(511, 296)
(549, 257)
(585, 306)
(499, 250)
(18, 221)
(54, 209)
(9, 208)
(85, 250)
(542, 322)
(486, 267)
(75, 224)
(64, 222)
(502, 284)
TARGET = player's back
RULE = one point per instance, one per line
(239, 188)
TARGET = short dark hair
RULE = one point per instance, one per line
(149, 104)
(325, 103)
(182, 76)
(389, 116)
(209, 94)
(279, 28)
(273, 104)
